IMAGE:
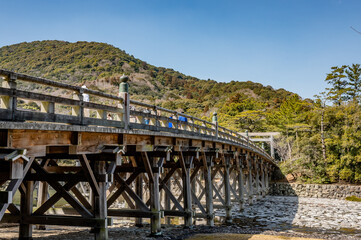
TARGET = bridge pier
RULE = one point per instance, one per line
(155, 206)
(250, 180)
(241, 183)
(26, 209)
(139, 192)
(207, 173)
(187, 163)
(100, 202)
(263, 182)
(227, 190)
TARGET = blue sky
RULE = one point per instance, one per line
(288, 44)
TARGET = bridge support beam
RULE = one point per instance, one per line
(264, 188)
(258, 182)
(26, 209)
(155, 206)
(100, 204)
(187, 197)
(241, 184)
(227, 191)
(207, 171)
(250, 180)
(139, 191)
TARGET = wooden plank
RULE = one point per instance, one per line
(199, 204)
(53, 220)
(129, 213)
(173, 213)
(88, 171)
(13, 209)
(81, 197)
(27, 138)
(3, 207)
(218, 195)
(100, 139)
(148, 166)
(128, 200)
(182, 162)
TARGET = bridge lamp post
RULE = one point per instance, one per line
(124, 93)
(215, 121)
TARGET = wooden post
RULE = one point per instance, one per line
(47, 107)
(10, 102)
(267, 169)
(26, 209)
(139, 191)
(100, 204)
(194, 187)
(215, 121)
(155, 205)
(167, 201)
(241, 185)
(123, 92)
(78, 110)
(272, 147)
(207, 171)
(227, 191)
(250, 184)
(263, 179)
(257, 169)
(42, 197)
(187, 197)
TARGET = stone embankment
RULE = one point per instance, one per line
(314, 190)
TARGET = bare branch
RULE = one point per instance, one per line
(355, 30)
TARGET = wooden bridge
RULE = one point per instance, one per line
(109, 156)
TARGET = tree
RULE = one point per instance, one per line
(321, 104)
(338, 92)
(353, 75)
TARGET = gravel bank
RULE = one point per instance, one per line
(273, 215)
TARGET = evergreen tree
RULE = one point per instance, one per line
(338, 92)
(353, 74)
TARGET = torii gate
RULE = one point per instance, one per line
(262, 137)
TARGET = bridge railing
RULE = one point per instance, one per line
(84, 106)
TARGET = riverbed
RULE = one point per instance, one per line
(272, 215)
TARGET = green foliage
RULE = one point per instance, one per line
(353, 199)
(338, 92)
(353, 74)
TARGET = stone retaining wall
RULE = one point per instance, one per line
(314, 190)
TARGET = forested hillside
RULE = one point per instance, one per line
(99, 66)
(321, 138)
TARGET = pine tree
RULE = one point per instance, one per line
(353, 75)
(338, 92)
